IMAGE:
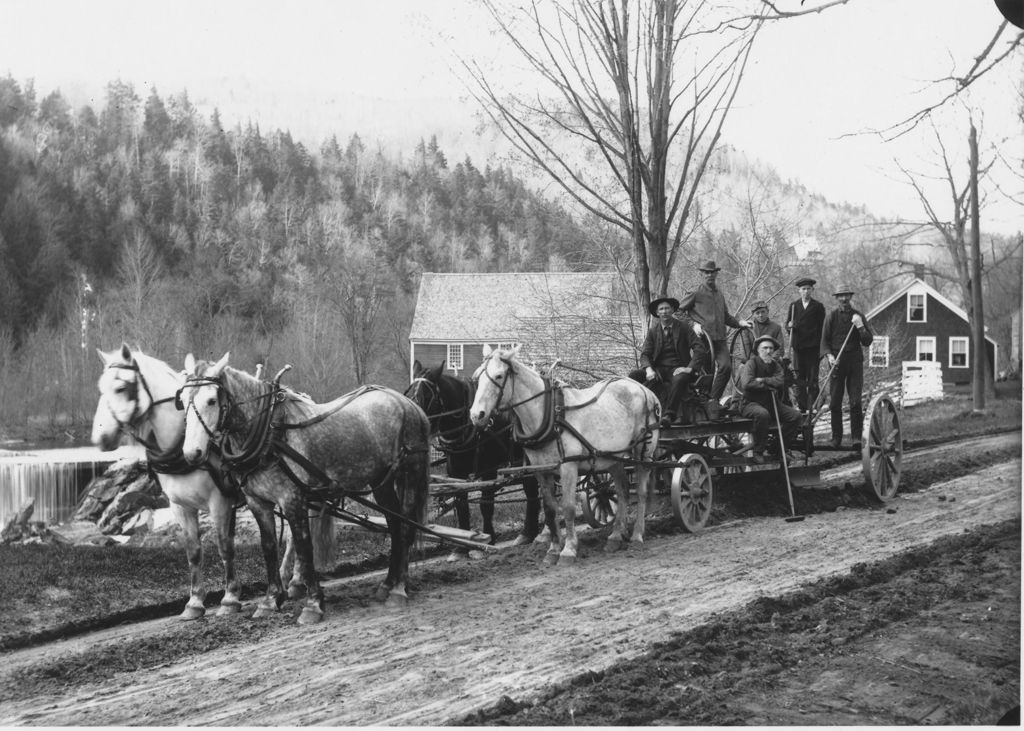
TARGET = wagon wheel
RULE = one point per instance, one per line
(600, 501)
(882, 447)
(739, 352)
(692, 492)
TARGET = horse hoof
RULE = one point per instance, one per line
(611, 546)
(523, 540)
(566, 560)
(396, 601)
(550, 559)
(382, 593)
(311, 616)
(191, 613)
(262, 612)
(296, 591)
(225, 610)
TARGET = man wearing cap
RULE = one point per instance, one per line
(806, 317)
(761, 324)
(705, 311)
(671, 353)
(762, 381)
(846, 360)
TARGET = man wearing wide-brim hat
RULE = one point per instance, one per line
(845, 354)
(762, 381)
(705, 311)
(671, 354)
(806, 317)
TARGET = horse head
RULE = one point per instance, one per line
(425, 389)
(127, 387)
(492, 377)
(201, 400)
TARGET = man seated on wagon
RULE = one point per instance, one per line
(671, 353)
(761, 379)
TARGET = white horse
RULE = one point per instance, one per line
(603, 425)
(137, 397)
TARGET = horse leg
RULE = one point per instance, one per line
(643, 477)
(619, 525)
(188, 519)
(462, 513)
(271, 602)
(222, 512)
(532, 517)
(289, 576)
(294, 509)
(569, 475)
(547, 485)
(487, 513)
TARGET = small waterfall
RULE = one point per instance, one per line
(56, 479)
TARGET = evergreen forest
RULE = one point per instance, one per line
(144, 222)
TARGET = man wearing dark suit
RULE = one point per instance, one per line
(671, 353)
(806, 318)
(846, 358)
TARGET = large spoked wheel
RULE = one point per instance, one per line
(692, 492)
(882, 447)
(739, 353)
(600, 502)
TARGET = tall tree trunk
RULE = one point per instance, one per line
(977, 306)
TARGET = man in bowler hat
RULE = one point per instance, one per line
(845, 352)
(671, 353)
(762, 381)
(705, 311)
(806, 317)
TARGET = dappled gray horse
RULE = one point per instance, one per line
(283, 449)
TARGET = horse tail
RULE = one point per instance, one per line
(412, 484)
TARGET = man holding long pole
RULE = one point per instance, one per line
(846, 357)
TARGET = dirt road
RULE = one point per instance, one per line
(511, 628)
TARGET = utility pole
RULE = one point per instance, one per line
(978, 321)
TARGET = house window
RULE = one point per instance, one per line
(916, 308)
(506, 346)
(455, 356)
(926, 349)
(958, 352)
(878, 353)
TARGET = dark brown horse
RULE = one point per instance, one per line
(284, 450)
(471, 452)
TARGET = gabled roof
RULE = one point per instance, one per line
(920, 284)
(495, 307)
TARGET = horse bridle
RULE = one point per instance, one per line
(194, 382)
(132, 389)
(437, 396)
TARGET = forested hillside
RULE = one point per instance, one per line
(175, 233)
(149, 222)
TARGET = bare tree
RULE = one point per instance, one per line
(614, 97)
(958, 224)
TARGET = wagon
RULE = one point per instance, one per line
(692, 457)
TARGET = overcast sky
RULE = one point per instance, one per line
(813, 80)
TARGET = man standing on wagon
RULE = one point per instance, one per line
(705, 311)
(806, 317)
(846, 353)
(762, 381)
(671, 353)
